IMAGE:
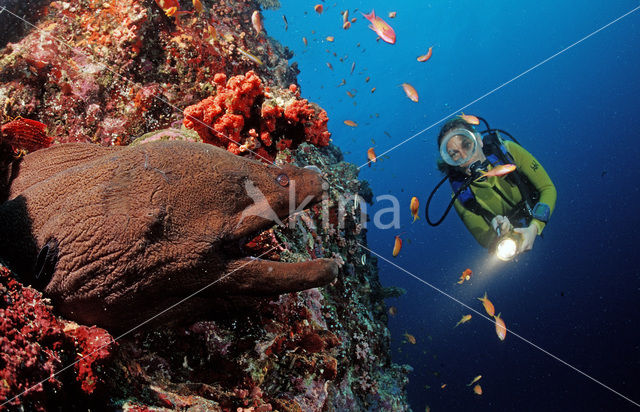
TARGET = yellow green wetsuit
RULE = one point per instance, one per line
(490, 200)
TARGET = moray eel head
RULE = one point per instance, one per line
(115, 236)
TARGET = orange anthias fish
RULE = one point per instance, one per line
(477, 389)
(501, 328)
(410, 338)
(498, 171)
(197, 6)
(350, 123)
(476, 379)
(371, 155)
(397, 246)
(171, 7)
(471, 119)
(256, 20)
(465, 319)
(175, 12)
(318, 8)
(165, 4)
(393, 311)
(466, 275)
(411, 93)
(488, 306)
(415, 204)
(425, 57)
(381, 27)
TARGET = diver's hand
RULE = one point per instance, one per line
(502, 224)
(528, 237)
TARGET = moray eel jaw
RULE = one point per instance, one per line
(128, 231)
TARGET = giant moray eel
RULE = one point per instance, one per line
(115, 235)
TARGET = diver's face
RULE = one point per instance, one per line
(459, 147)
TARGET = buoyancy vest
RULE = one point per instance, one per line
(497, 154)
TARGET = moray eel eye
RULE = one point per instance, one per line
(283, 180)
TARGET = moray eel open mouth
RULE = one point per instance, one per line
(139, 226)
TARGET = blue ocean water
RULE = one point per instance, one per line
(577, 293)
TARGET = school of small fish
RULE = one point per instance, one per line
(469, 119)
(371, 155)
(501, 328)
(381, 27)
(410, 338)
(256, 20)
(397, 245)
(386, 33)
(414, 206)
(425, 57)
(497, 171)
(466, 275)
(465, 319)
(488, 306)
(476, 379)
(411, 93)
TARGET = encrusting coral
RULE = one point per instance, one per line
(228, 118)
(35, 345)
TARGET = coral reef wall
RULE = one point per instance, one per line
(103, 71)
(107, 72)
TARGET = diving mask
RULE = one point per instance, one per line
(458, 146)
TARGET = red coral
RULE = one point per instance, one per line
(95, 345)
(219, 119)
(229, 118)
(315, 123)
(270, 113)
(294, 89)
(25, 134)
(31, 340)
(35, 346)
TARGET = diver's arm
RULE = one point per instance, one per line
(476, 224)
(530, 167)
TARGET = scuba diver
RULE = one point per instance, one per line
(506, 209)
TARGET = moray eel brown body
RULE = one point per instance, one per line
(115, 235)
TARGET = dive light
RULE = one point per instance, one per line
(508, 245)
